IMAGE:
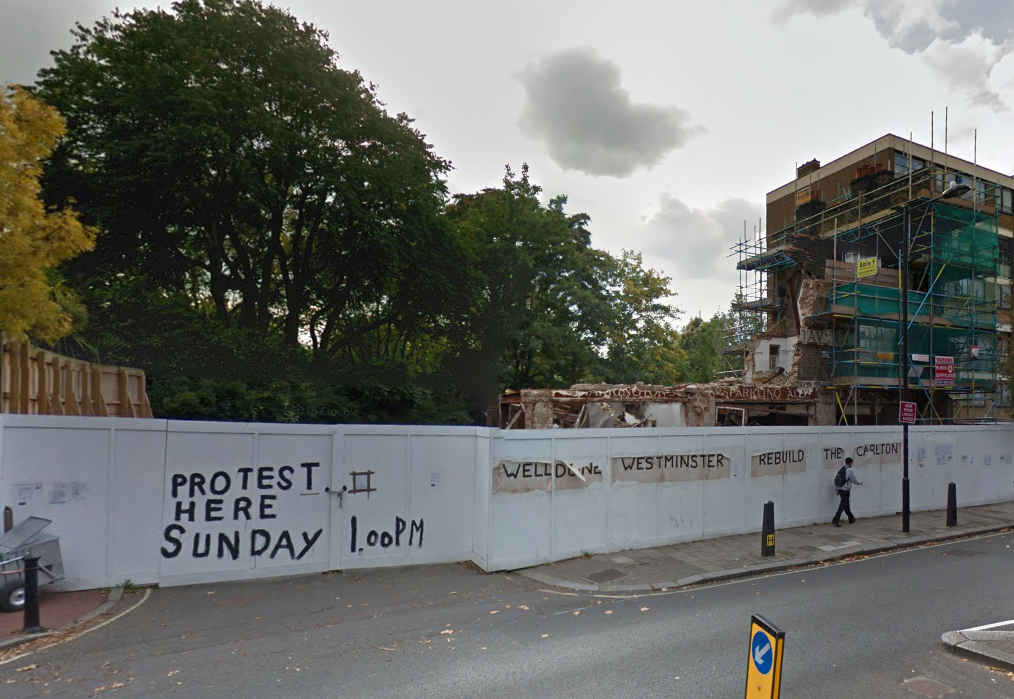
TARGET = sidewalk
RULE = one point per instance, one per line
(56, 610)
(738, 556)
(991, 645)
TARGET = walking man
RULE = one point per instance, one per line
(843, 486)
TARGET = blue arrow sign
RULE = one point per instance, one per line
(762, 653)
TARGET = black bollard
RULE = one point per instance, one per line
(32, 594)
(768, 531)
(952, 505)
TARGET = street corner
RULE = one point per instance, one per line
(65, 616)
(991, 645)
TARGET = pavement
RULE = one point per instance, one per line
(991, 645)
(57, 610)
(711, 560)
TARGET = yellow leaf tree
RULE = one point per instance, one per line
(33, 239)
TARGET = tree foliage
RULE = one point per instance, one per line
(274, 245)
(34, 240)
(225, 155)
(551, 309)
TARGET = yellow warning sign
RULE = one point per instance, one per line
(866, 267)
(771, 539)
(764, 666)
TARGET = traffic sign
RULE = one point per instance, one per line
(764, 666)
(906, 412)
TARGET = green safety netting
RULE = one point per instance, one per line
(955, 263)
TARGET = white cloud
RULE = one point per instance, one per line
(967, 66)
(961, 40)
(813, 7)
(578, 106)
(694, 243)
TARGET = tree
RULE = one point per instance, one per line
(641, 342)
(226, 156)
(701, 340)
(551, 309)
(33, 239)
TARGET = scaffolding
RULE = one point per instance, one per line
(953, 290)
(952, 303)
(753, 309)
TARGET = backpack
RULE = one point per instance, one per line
(839, 479)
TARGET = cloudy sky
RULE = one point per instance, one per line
(667, 120)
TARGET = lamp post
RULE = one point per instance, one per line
(953, 190)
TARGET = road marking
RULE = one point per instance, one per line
(75, 636)
(829, 547)
(990, 626)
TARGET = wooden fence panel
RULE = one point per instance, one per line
(38, 382)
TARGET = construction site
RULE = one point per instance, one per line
(820, 320)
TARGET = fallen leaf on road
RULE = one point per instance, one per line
(545, 635)
(494, 612)
(174, 672)
(106, 688)
(644, 609)
(211, 592)
(454, 593)
(523, 606)
(26, 668)
(609, 611)
(446, 631)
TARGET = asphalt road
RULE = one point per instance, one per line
(854, 630)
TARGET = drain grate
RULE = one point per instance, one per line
(961, 553)
(604, 576)
(925, 687)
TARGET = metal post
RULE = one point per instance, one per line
(768, 530)
(952, 505)
(906, 251)
(32, 594)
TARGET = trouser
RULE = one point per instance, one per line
(843, 506)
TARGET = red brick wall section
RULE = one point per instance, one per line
(812, 367)
(781, 212)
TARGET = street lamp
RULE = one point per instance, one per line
(954, 189)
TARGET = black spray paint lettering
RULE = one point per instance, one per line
(777, 458)
(231, 544)
(663, 462)
(386, 539)
(882, 449)
(217, 507)
(537, 469)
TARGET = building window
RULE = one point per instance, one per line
(773, 358)
(1006, 203)
(1004, 260)
(901, 164)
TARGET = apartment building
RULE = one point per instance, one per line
(825, 285)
